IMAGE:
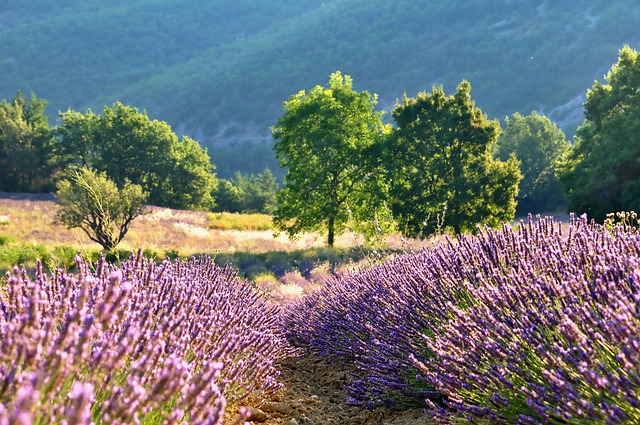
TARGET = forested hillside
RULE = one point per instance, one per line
(219, 70)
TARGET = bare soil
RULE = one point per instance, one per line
(314, 394)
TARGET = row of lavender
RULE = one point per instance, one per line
(144, 343)
(534, 325)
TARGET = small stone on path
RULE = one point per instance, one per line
(258, 415)
(277, 408)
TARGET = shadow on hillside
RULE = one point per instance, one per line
(27, 196)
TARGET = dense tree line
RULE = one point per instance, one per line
(125, 146)
(25, 138)
(434, 170)
(538, 144)
(444, 165)
(253, 193)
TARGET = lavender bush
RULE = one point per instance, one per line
(535, 325)
(555, 334)
(374, 319)
(178, 342)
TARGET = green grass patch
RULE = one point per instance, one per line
(252, 266)
(233, 221)
(21, 253)
(4, 239)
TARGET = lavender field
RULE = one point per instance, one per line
(539, 323)
(535, 325)
(182, 341)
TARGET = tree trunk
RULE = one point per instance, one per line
(330, 237)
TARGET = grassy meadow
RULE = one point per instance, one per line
(282, 267)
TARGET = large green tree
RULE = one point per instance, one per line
(538, 144)
(190, 181)
(127, 145)
(326, 140)
(441, 168)
(25, 138)
(601, 173)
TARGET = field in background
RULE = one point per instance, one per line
(282, 267)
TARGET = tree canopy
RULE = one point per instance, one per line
(326, 140)
(538, 144)
(601, 173)
(440, 165)
(126, 145)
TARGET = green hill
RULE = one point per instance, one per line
(219, 70)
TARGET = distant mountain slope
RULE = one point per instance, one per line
(219, 70)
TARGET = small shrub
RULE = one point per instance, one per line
(92, 202)
(171, 254)
(5, 239)
(251, 270)
(62, 256)
(150, 253)
(22, 253)
(116, 255)
(265, 278)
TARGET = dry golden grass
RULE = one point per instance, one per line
(32, 221)
(184, 233)
(283, 268)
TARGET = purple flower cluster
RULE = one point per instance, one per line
(535, 325)
(170, 343)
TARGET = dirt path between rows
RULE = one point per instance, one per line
(314, 394)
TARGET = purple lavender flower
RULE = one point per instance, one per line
(182, 341)
(537, 324)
